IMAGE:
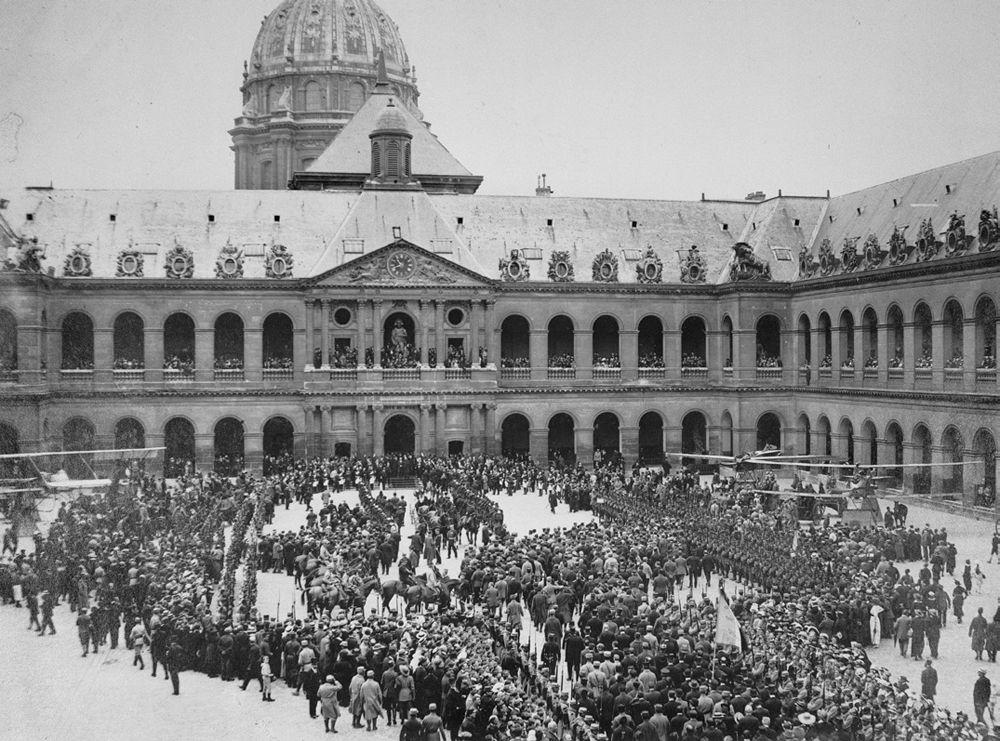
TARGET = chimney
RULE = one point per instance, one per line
(542, 189)
(756, 196)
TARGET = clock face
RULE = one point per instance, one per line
(401, 265)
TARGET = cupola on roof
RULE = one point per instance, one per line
(339, 33)
(390, 119)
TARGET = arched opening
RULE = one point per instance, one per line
(825, 432)
(651, 342)
(515, 436)
(985, 448)
(846, 433)
(78, 434)
(77, 342)
(768, 342)
(846, 339)
(178, 343)
(805, 341)
(129, 343)
(805, 434)
(954, 451)
(769, 432)
(727, 439)
(605, 337)
(894, 444)
(954, 334)
(515, 344)
(9, 445)
(279, 333)
(129, 433)
(693, 343)
(561, 354)
(694, 437)
(314, 100)
(562, 439)
(869, 338)
(8, 342)
(727, 338)
(650, 439)
(986, 334)
(922, 336)
(279, 442)
(607, 448)
(870, 438)
(178, 438)
(356, 96)
(400, 435)
(922, 445)
(826, 340)
(228, 446)
(894, 327)
(229, 342)
(398, 348)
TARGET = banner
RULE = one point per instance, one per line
(727, 628)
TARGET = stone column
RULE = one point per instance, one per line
(714, 341)
(911, 351)
(204, 451)
(439, 344)
(491, 429)
(204, 354)
(476, 429)
(970, 355)
(584, 441)
(538, 444)
(253, 354)
(307, 412)
(672, 354)
(324, 431)
(152, 350)
(885, 353)
(361, 427)
(745, 352)
(475, 308)
(359, 332)
(629, 445)
(491, 329)
(628, 352)
(253, 452)
(859, 348)
(425, 425)
(103, 354)
(310, 333)
(378, 438)
(324, 328)
(583, 352)
(424, 334)
(377, 328)
(938, 354)
(539, 350)
(911, 454)
(440, 411)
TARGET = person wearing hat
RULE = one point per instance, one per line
(412, 728)
(83, 629)
(371, 700)
(432, 727)
(981, 691)
(405, 688)
(266, 677)
(175, 662)
(356, 704)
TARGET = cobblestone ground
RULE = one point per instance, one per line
(51, 692)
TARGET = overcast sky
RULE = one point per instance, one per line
(631, 99)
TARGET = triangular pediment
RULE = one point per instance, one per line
(399, 263)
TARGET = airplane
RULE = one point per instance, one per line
(743, 464)
(58, 487)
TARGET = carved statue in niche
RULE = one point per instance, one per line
(828, 262)
(849, 257)
(899, 250)
(230, 263)
(989, 230)
(692, 266)
(956, 241)
(560, 267)
(873, 253)
(605, 267)
(399, 335)
(179, 263)
(927, 243)
(807, 266)
(250, 107)
(77, 263)
(285, 101)
(514, 268)
(650, 268)
(747, 266)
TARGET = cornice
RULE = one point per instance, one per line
(947, 265)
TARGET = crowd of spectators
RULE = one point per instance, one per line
(562, 360)
(129, 364)
(693, 360)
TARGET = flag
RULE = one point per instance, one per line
(727, 627)
(795, 542)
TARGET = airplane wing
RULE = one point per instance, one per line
(702, 456)
(72, 485)
(113, 454)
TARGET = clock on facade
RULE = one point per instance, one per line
(401, 265)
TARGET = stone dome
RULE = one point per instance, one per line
(328, 34)
(390, 119)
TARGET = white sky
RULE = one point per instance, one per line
(650, 99)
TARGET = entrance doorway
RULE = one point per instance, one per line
(400, 436)
(456, 447)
